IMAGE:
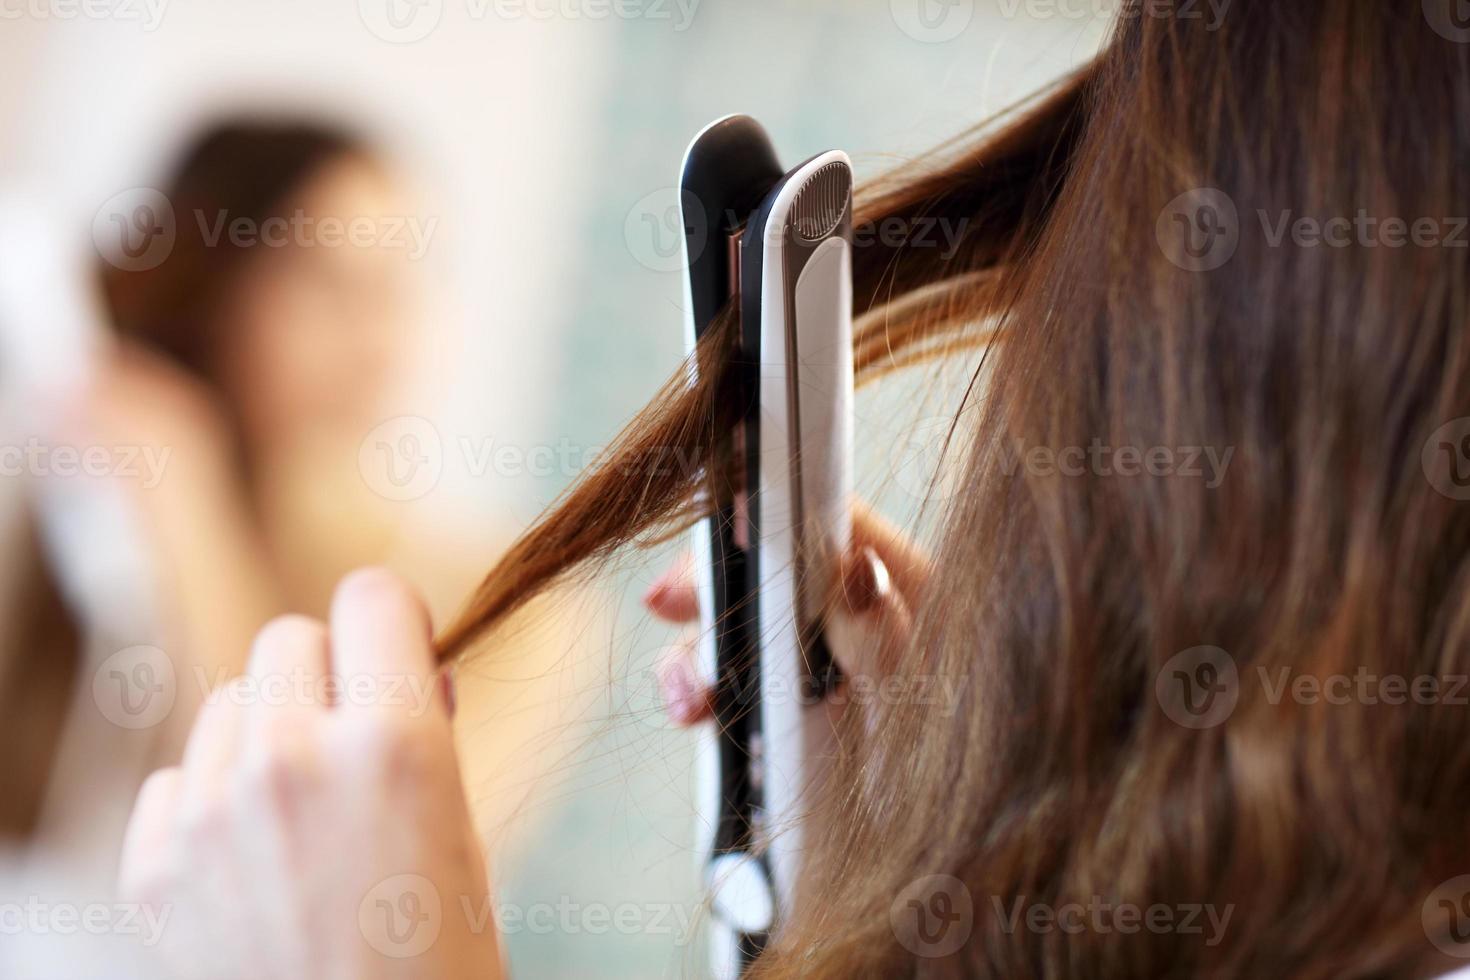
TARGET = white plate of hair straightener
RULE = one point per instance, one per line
(777, 244)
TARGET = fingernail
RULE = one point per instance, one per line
(446, 688)
(660, 586)
(865, 582)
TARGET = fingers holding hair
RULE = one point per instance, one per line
(381, 641)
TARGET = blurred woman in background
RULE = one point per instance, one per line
(257, 358)
(264, 360)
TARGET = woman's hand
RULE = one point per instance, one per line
(137, 397)
(883, 575)
(192, 503)
(317, 826)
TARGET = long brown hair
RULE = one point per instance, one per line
(1134, 246)
(248, 169)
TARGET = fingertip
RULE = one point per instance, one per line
(291, 631)
(372, 580)
(379, 625)
(673, 605)
(654, 597)
(377, 592)
(161, 785)
(673, 597)
(686, 700)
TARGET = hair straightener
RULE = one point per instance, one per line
(776, 244)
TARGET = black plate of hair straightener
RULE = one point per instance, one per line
(777, 245)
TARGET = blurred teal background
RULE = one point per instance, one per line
(818, 75)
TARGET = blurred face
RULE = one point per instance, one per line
(322, 328)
